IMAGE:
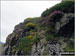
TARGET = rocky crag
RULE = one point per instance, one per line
(49, 34)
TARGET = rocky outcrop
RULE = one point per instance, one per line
(53, 24)
(65, 27)
(19, 28)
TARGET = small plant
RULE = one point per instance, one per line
(30, 37)
(31, 32)
(25, 45)
(69, 47)
(17, 35)
(27, 20)
(30, 26)
(36, 39)
(55, 12)
(49, 37)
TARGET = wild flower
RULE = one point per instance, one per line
(55, 12)
(32, 32)
(30, 24)
(30, 37)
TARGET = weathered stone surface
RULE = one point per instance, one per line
(66, 25)
(57, 27)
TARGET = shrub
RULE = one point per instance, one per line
(30, 37)
(30, 26)
(69, 47)
(49, 37)
(32, 32)
(17, 35)
(36, 39)
(48, 29)
(27, 20)
(25, 45)
(55, 12)
(56, 15)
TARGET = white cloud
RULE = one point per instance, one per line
(14, 12)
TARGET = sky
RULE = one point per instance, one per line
(14, 12)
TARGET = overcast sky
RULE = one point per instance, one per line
(14, 12)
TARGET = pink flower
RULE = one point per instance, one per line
(55, 12)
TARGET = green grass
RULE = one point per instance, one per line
(65, 6)
(69, 47)
(49, 37)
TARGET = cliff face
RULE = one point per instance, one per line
(1, 47)
(36, 36)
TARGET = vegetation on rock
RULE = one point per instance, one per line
(64, 6)
(54, 23)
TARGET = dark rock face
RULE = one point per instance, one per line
(19, 28)
(67, 30)
(66, 27)
(62, 27)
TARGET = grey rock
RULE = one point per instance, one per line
(64, 22)
(57, 26)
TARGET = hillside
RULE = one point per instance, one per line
(51, 33)
(1, 47)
